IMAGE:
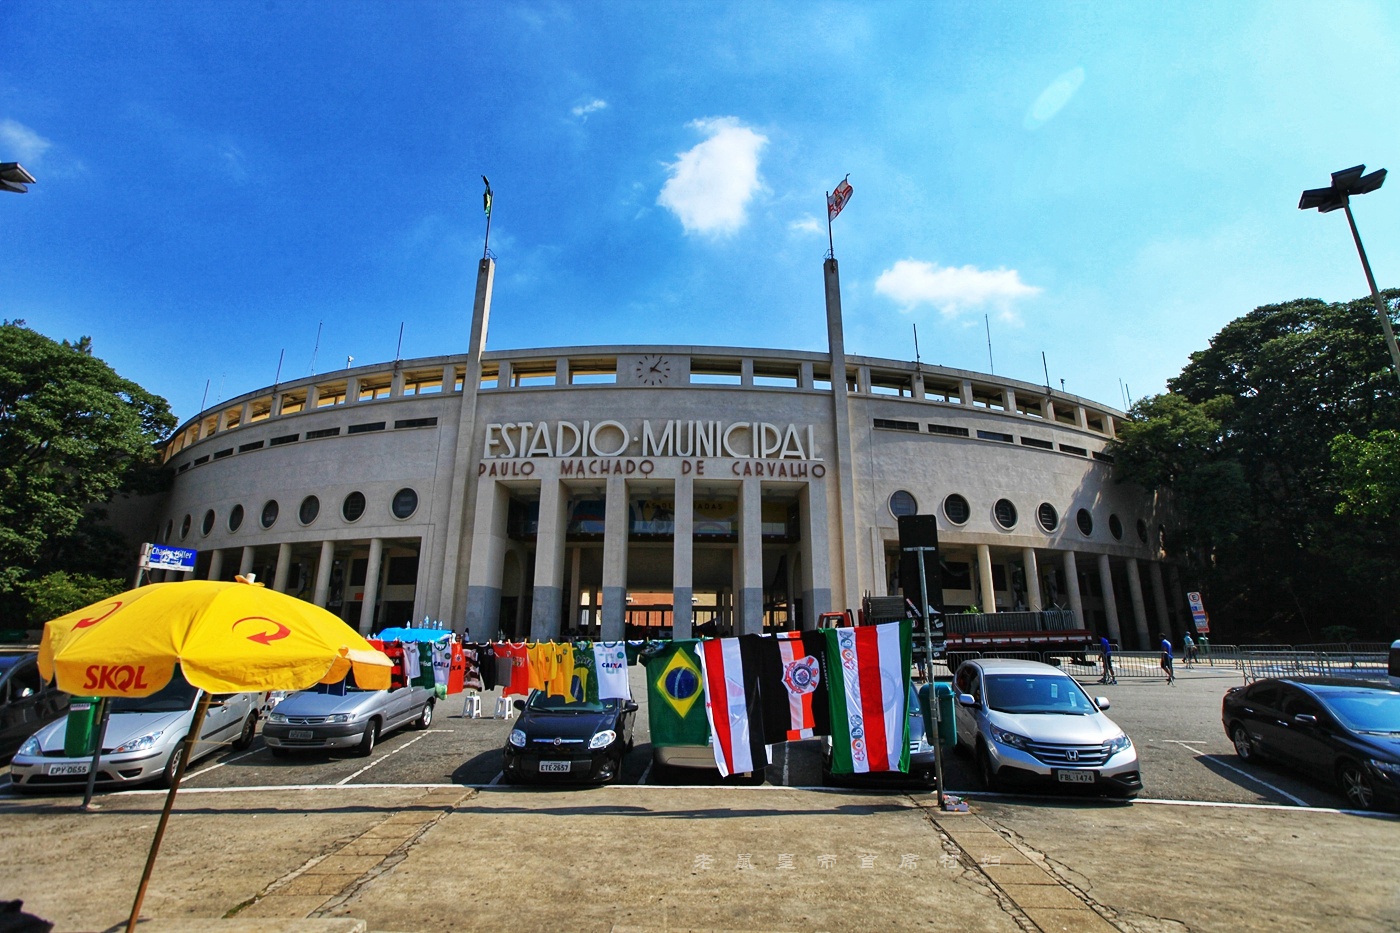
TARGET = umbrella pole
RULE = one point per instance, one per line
(190, 740)
(106, 707)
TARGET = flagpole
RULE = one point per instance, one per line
(830, 246)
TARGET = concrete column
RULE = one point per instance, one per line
(816, 558)
(1076, 602)
(746, 372)
(1110, 604)
(749, 582)
(1009, 399)
(284, 567)
(216, 564)
(682, 558)
(918, 385)
(376, 555)
(1159, 599)
(547, 604)
(1081, 418)
(845, 466)
(984, 578)
(396, 381)
(1139, 607)
(506, 375)
(449, 379)
(313, 397)
(575, 557)
(805, 379)
(965, 393)
(323, 574)
(880, 577)
(1049, 409)
(1032, 579)
(488, 560)
(245, 563)
(615, 560)
(561, 371)
(352, 390)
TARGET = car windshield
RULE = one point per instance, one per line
(1037, 693)
(1366, 710)
(540, 700)
(172, 698)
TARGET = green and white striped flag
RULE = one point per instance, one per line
(868, 671)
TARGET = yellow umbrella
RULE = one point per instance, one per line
(227, 638)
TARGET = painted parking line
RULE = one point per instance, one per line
(416, 738)
(1216, 759)
(646, 773)
(215, 767)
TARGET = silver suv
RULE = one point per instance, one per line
(1027, 723)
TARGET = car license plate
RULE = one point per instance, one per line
(555, 765)
(69, 769)
(1075, 777)
(300, 734)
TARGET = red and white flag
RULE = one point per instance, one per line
(838, 198)
(868, 669)
(729, 667)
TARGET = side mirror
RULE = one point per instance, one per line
(629, 707)
(519, 704)
(1101, 702)
(1305, 719)
(966, 699)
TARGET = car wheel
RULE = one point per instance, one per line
(172, 767)
(250, 731)
(278, 752)
(1356, 785)
(985, 768)
(370, 740)
(1244, 745)
(425, 718)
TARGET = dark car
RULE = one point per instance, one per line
(1344, 732)
(27, 703)
(922, 764)
(558, 739)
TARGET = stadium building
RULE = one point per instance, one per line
(603, 490)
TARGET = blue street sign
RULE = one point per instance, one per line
(163, 557)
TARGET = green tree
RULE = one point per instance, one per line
(1369, 473)
(72, 434)
(59, 593)
(1242, 448)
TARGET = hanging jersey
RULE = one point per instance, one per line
(514, 674)
(610, 669)
(540, 657)
(561, 672)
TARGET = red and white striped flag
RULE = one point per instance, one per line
(838, 198)
(795, 704)
(729, 667)
(868, 667)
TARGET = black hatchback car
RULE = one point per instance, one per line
(1345, 732)
(555, 740)
(27, 701)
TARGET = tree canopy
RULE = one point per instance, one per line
(72, 434)
(1275, 448)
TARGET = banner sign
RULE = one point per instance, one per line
(1198, 613)
(164, 557)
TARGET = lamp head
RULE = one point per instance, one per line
(1345, 183)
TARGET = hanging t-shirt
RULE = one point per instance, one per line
(442, 662)
(410, 662)
(471, 670)
(610, 670)
(541, 658)
(517, 661)
(562, 675)
(486, 663)
(583, 686)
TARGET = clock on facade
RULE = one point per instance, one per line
(652, 370)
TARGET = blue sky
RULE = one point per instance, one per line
(1109, 183)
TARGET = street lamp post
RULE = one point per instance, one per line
(13, 177)
(1347, 182)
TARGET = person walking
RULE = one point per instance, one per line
(1106, 657)
(1166, 661)
(1188, 650)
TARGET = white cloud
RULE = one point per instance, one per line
(21, 144)
(592, 106)
(711, 184)
(1053, 98)
(953, 290)
(807, 224)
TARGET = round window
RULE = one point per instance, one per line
(235, 518)
(405, 503)
(1005, 513)
(1085, 521)
(353, 507)
(1115, 527)
(1142, 531)
(902, 503)
(1049, 518)
(185, 528)
(269, 513)
(957, 509)
(207, 525)
(310, 508)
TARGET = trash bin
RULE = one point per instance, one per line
(79, 739)
(947, 725)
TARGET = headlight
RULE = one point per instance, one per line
(602, 739)
(517, 738)
(1384, 767)
(276, 717)
(1010, 738)
(30, 747)
(141, 744)
(338, 717)
(1119, 743)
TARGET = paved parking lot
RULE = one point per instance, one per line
(1184, 752)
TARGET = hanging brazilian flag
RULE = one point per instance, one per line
(486, 196)
(584, 687)
(675, 694)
